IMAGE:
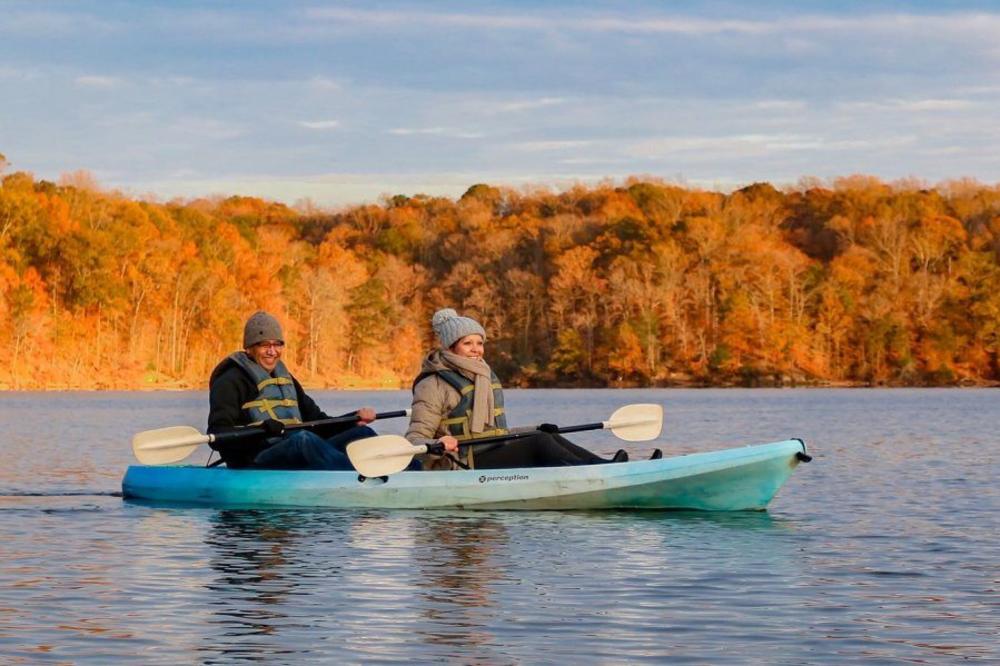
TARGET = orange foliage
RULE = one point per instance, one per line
(648, 283)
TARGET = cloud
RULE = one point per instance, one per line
(946, 151)
(332, 189)
(550, 22)
(325, 84)
(18, 74)
(531, 104)
(206, 128)
(528, 91)
(180, 174)
(937, 105)
(755, 144)
(542, 146)
(351, 188)
(48, 23)
(685, 26)
(913, 105)
(592, 161)
(407, 18)
(779, 105)
(409, 131)
(176, 80)
(434, 131)
(320, 124)
(979, 90)
(142, 120)
(97, 81)
(958, 24)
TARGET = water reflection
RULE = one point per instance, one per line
(434, 574)
(741, 520)
(249, 551)
(461, 561)
(456, 567)
(252, 553)
(599, 583)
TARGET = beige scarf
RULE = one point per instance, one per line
(482, 404)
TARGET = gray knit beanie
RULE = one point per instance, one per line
(450, 328)
(260, 327)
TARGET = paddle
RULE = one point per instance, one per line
(173, 444)
(388, 454)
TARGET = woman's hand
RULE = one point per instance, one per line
(366, 415)
(450, 443)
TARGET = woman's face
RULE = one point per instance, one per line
(471, 346)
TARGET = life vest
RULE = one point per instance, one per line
(276, 397)
(459, 420)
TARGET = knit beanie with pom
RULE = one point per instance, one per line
(449, 327)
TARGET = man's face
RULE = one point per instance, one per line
(267, 353)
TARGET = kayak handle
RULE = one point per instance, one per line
(802, 456)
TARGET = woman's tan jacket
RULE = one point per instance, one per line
(433, 400)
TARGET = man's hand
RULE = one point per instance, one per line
(366, 415)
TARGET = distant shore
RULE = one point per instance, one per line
(383, 386)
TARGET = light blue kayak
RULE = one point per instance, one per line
(744, 478)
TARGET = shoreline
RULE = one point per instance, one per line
(379, 386)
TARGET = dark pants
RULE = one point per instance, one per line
(541, 449)
(306, 450)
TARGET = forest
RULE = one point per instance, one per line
(846, 282)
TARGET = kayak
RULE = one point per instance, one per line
(743, 478)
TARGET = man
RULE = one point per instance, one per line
(253, 387)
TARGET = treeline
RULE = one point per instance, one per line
(647, 283)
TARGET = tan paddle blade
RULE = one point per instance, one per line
(636, 423)
(382, 455)
(167, 445)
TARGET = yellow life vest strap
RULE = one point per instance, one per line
(273, 381)
(268, 406)
(285, 421)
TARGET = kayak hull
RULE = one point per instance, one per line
(744, 478)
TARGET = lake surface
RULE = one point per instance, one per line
(884, 549)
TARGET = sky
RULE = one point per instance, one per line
(339, 103)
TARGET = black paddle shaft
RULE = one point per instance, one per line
(257, 431)
(438, 447)
(346, 418)
(581, 428)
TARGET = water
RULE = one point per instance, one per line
(884, 549)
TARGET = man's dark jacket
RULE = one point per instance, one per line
(229, 389)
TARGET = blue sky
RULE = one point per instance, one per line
(342, 102)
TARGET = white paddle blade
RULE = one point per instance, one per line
(167, 445)
(636, 423)
(382, 455)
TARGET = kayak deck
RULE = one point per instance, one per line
(744, 478)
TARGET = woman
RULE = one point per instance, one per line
(456, 397)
